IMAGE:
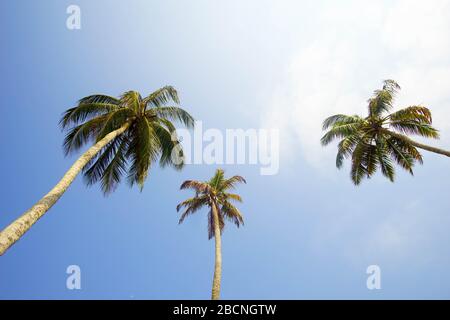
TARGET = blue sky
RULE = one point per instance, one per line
(309, 232)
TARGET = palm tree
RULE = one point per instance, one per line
(214, 194)
(128, 135)
(380, 139)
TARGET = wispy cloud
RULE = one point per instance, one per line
(411, 232)
(358, 45)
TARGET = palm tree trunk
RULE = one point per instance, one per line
(218, 262)
(16, 229)
(417, 144)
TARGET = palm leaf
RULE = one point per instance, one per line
(358, 170)
(80, 135)
(196, 185)
(233, 196)
(387, 168)
(99, 98)
(143, 150)
(416, 113)
(85, 111)
(117, 167)
(340, 130)
(211, 224)
(345, 148)
(217, 179)
(230, 212)
(231, 182)
(172, 114)
(161, 97)
(415, 127)
(383, 99)
(171, 152)
(94, 169)
(192, 205)
(114, 121)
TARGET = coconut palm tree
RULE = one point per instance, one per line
(380, 139)
(214, 195)
(128, 134)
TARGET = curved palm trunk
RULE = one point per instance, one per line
(218, 262)
(15, 230)
(417, 144)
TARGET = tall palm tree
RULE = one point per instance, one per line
(380, 139)
(128, 134)
(214, 195)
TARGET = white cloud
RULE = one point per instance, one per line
(397, 237)
(386, 237)
(356, 45)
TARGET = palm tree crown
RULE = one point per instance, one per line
(214, 194)
(149, 134)
(380, 139)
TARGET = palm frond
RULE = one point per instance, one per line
(171, 151)
(93, 170)
(387, 168)
(99, 98)
(383, 99)
(340, 130)
(172, 114)
(230, 212)
(231, 182)
(407, 148)
(340, 119)
(370, 159)
(345, 148)
(85, 111)
(211, 224)
(78, 136)
(112, 174)
(404, 153)
(358, 170)
(114, 120)
(404, 159)
(196, 185)
(169, 126)
(217, 179)
(192, 205)
(233, 196)
(415, 127)
(161, 97)
(131, 99)
(143, 149)
(416, 113)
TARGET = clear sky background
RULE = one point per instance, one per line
(309, 232)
